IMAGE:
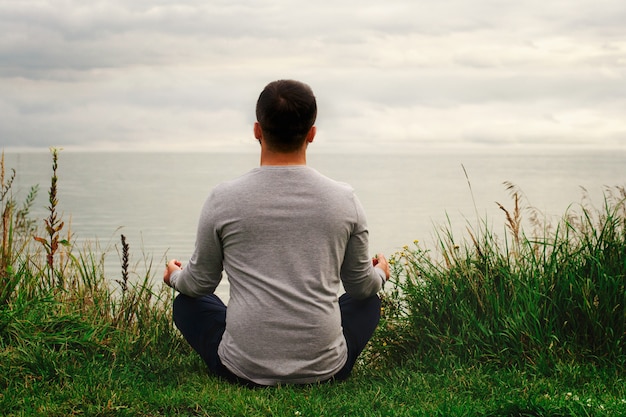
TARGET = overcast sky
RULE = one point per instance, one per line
(388, 74)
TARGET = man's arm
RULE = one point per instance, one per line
(204, 271)
(360, 277)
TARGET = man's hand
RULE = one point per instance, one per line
(173, 265)
(381, 262)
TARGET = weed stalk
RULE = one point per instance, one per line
(125, 251)
(54, 225)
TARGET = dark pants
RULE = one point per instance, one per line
(202, 322)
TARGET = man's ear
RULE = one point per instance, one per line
(258, 132)
(311, 135)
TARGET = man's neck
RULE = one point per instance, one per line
(280, 158)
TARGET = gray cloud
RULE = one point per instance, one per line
(139, 74)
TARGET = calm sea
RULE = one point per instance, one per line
(154, 198)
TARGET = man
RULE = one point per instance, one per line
(287, 237)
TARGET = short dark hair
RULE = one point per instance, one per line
(286, 110)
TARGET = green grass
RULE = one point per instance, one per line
(527, 324)
(91, 386)
(531, 300)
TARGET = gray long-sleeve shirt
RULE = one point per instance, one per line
(287, 237)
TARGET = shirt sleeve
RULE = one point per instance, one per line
(359, 276)
(203, 273)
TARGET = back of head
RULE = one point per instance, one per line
(286, 111)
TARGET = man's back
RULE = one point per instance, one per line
(284, 231)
